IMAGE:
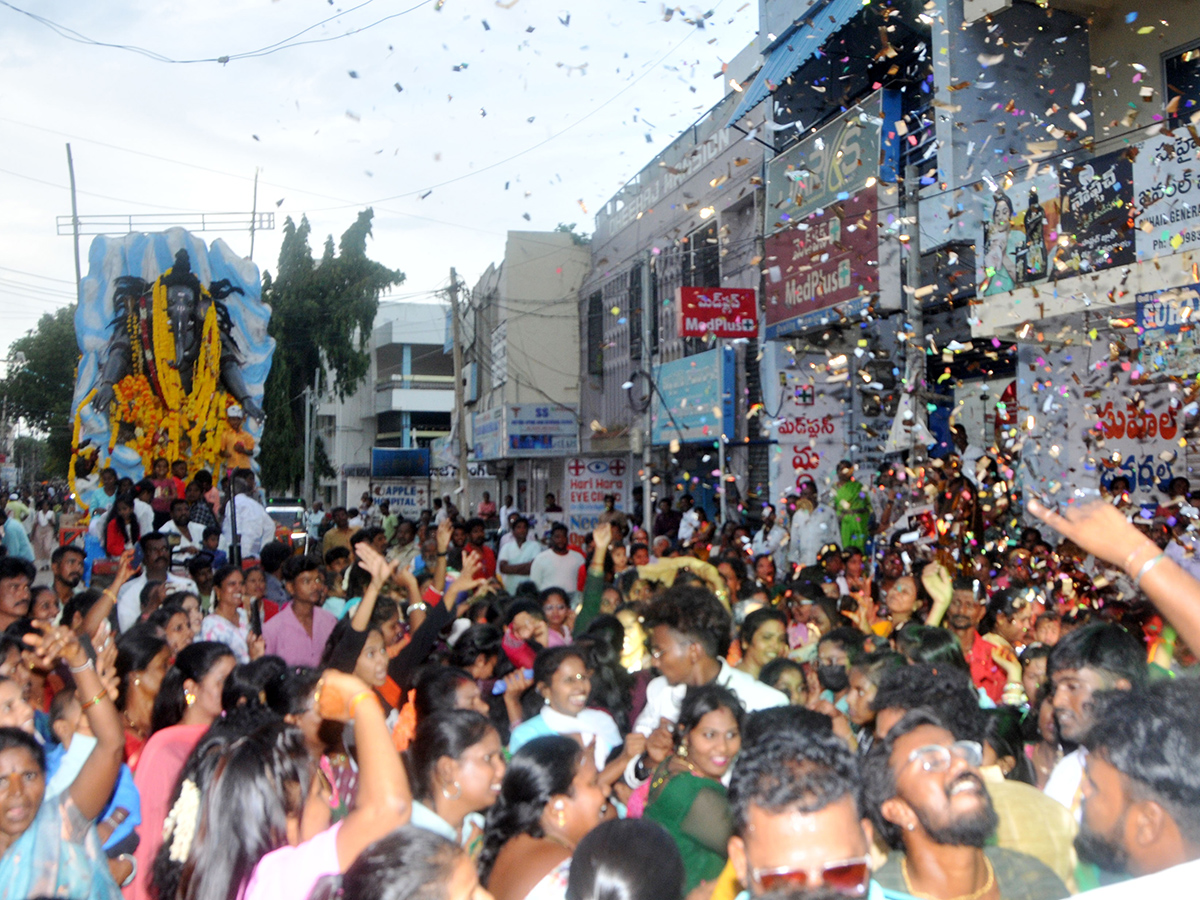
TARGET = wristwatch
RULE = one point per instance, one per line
(639, 769)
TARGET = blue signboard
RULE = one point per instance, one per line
(393, 462)
(1166, 327)
(698, 392)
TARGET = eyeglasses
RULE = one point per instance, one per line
(849, 877)
(937, 758)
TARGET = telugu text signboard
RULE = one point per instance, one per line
(809, 432)
(831, 165)
(1167, 182)
(720, 312)
(830, 258)
(695, 397)
(1097, 203)
(586, 483)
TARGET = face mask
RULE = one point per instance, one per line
(833, 678)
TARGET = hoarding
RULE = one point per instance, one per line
(542, 430)
(695, 397)
(720, 312)
(1166, 177)
(394, 462)
(586, 482)
(1097, 209)
(406, 497)
(1167, 322)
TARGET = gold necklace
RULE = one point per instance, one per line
(974, 895)
(555, 839)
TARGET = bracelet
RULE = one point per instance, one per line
(132, 875)
(441, 553)
(1146, 567)
(357, 699)
(100, 696)
(75, 670)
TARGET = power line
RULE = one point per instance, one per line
(35, 275)
(63, 187)
(71, 34)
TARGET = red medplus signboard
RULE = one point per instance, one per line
(721, 312)
(830, 257)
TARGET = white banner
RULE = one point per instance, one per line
(586, 482)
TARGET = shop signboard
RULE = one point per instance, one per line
(487, 431)
(541, 430)
(1167, 322)
(407, 497)
(1097, 203)
(717, 311)
(396, 462)
(586, 482)
(809, 431)
(831, 258)
(695, 397)
(1020, 231)
(1166, 180)
(1088, 422)
(833, 164)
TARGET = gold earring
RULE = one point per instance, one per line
(190, 698)
(562, 816)
(682, 751)
(137, 682)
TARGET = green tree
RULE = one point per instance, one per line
(40, 389)
(322, 315)
(579, 238)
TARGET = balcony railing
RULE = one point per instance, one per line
(415, 382)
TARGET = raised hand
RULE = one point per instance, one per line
(602, 535)
(335, 693)
(374, 562)
(443, 535)
(54, 643)
(1098, 527)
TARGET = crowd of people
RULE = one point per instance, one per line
(854, 695)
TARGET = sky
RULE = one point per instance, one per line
(456, 120)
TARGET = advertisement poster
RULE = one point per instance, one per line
(1167, 323)
(720, 312)
(809, 433)
(1165, 177)
(694, 396)
(542, 430)
(1020, 230)
(407, 497)
(1097, 205)
(586, 482)
(830, 258)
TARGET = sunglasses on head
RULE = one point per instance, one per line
(849, 877)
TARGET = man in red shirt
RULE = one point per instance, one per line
(963, 617)
(487, 556)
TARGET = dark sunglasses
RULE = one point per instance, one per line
(849, 877)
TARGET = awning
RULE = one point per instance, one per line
(797, 48)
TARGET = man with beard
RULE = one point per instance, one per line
(962, 617)
(926, 797)
(66, 565)
(1141, 791)
(1092, 659)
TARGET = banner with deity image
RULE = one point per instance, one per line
(1020, 229)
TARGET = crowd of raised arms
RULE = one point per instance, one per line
(896, 688)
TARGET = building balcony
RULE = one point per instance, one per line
(414, 393)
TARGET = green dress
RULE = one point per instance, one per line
(695, 812)
(853, 509)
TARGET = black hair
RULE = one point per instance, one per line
(790, 769)
(246, 684)
(130, 530)
(762, 723)
(544, 767)
(81, 603)
(547, 662)
(935, 646)
(757, 620)
(435, 690)
(694, 612)
(943, 688)
(879, 781)
(409, 863)
(346, 663)
(771, 672)
(15, 567)
(475, 641)
(1003, 603)
(849, 639)
(532, 607)
(612, 686)
(244, 810)
(136, 648)
(59, 552)
(1108, 649)
(149, 538)
(698, 702)
(273, 555)
(874, 665)
(16, 739)
(169, 608)
(552, 591)
(147, 592)
(192, 663)
(1034, 652)
(1002, 732)
(447, 733)
(626, 859)
(290, 692)
(297, 565)
(1151, 735)
(223, 573)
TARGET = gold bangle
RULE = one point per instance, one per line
(357, 699)
(100, 696)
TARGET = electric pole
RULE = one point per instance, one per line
(74, 221)
(460, 406)
(648, 366)
(916, 318)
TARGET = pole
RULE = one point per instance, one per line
(308, 410)
(721, 483)
(916, 318)
(74, 220)
(460, 406)
(648, 366)
(254, 214)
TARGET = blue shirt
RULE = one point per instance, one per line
(16, 541)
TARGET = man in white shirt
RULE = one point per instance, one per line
(1141, 804)
(1087, 661)
(156, 566)
(254, 526)
(559, 565)
(689, 633)
(506, 510)
(516, 556)
(813, 526)
(190, 534)
(143, 493)
(690, 519)
(771, 540)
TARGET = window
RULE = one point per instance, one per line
(702, 260)
(635, 311)
(1181, 75)
(595, 334)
